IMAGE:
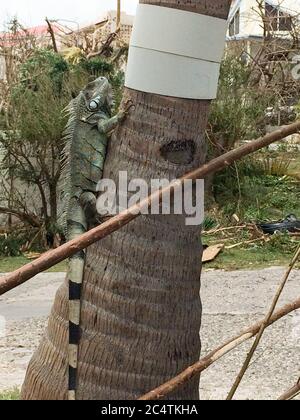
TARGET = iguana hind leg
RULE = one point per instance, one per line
(88, 204)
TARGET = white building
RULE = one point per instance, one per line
(125, 27)
(247, 16)
(107, 24)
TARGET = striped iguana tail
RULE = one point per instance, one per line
(75, 277)
(83, 159)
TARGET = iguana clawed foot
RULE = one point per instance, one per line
(128, 105)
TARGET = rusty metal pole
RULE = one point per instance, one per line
(118, 13)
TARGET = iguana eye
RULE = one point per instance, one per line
(93, 105)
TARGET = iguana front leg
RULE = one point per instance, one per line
(105, 126)
(87, 200)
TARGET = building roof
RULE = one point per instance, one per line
(7, 39)
(249, 25)
(41, 30)
(234, 7)
(109, 16)
(290, 6)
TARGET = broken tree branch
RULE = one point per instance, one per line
(212, 357)
(291, 393)
(51, 258)
(263, 327)
(263, 238)
(106, 45)
(51, 32)
(218, 230)
(31, 219)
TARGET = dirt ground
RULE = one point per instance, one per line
(231, 302)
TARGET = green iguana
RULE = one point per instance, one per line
(85, 138)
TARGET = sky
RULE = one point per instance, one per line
(33, 12)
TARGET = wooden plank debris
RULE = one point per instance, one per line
(212, 252)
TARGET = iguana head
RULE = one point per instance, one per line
(95, 98)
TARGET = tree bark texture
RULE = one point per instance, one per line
(141, 309)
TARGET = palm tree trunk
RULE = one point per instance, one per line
(141, 310)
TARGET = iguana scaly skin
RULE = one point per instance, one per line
(86, 139)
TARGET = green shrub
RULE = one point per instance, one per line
(97, 67)
(209, 223)
(10, 245)
(44, 63)
(11, 395)
(282, 242)
(256, 197)
(237, 112)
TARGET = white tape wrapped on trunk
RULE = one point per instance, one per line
(175, 53)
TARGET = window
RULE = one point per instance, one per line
(277, 20)
(234, 26)
(285, 22)
(272, 17)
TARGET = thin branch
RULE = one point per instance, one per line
(262, 238)
(50, 29)
(106, 45)
(217, 230)
(263, 327)
(51, 258)
(291, 393)
(170, 386)
(24, 217)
